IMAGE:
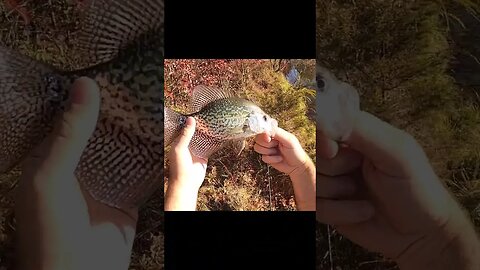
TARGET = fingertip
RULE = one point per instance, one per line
(286, 138)
(83, 108)
(266, 137)
(330, 149)
(85, 91)
(326, 148)
(390, 149)
(188, 131)
(263, 137)
(190, 121)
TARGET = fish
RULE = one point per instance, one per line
(121, 43)
(221, 119)
(337, 104)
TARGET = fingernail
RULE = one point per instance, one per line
(82, 90)
(189, 121)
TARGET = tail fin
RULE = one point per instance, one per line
(31, 94)
(173, 124)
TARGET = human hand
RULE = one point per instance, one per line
(284, 153)
(59, 225)
(381, 192)
(187, 172)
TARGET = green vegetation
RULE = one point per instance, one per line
(399, 55)
(245, 182)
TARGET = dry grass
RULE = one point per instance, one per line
(245, 183)
(51, 38)
(400, 55)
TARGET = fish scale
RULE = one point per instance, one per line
(222, 116)
(140, 111)
(122, 42)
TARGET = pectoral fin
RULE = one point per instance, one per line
(238, 146)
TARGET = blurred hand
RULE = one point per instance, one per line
(284, 153)
(187, 172)
(59, 225)
(380, 191)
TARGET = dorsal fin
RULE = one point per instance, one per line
(202, 95)
(110, 25)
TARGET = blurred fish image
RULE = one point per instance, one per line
(221, 118)
(121, 42)
(25, 13)
(337, 104)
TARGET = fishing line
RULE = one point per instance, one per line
(330, 248)
(269, 186)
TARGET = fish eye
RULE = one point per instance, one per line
(265, 118)
(320, 82)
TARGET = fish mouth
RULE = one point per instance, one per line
(273, 128)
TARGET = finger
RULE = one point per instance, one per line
(264, 150)
(263, 137)
(65, 146)
(186, 135)
(287, 139)
(335, 187)
(261, 140)
(346, 161)
(326, 147)
(272, 159)
(390, 149)
(343, 212)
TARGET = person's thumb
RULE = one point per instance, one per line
(72, 131)
(393, 151)
(183, 140)
(287, 139)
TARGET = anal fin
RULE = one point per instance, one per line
(118, 168)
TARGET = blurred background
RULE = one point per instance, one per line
(416, 65)
(48, 34)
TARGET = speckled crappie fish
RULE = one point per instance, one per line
(337, 104)
(221, 118)
(122, 41)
